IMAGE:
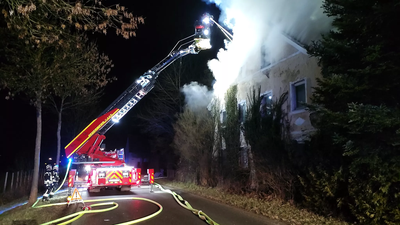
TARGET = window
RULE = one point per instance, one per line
(242, 111)
(298, 95)
(223, 117)
(264, 55)
(266, 104)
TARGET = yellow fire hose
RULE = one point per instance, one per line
(65, 177)
(185, 204)
(77, 215)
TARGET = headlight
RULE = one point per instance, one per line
(102, 174)
(206, 20)
(125, 173)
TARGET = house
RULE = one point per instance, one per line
(295, 72)
(292, 71)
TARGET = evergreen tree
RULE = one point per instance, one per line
(358, 106)
(360, 56)
(231, 133)
(265, 130)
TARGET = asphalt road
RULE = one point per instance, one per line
(172, 212)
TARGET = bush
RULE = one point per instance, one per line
(319, 191)
(266, 133)
(364, 165)
(194, 143)
(358, 102)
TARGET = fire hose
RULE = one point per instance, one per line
(75, 216)
(65, 177)
(185, 204)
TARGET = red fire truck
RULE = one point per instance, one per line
(108, 169)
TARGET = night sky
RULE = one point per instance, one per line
(166, 22)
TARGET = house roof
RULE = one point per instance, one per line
(294, 43)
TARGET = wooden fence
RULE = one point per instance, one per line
(20, 181)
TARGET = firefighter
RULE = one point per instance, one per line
(48, 181)
(55, 179)
(199, 29)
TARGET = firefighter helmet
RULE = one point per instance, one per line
(49, 167)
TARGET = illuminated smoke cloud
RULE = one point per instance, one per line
(197, 96)
(257, 26)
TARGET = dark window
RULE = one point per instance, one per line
(298, 95)
(223, 117)
(266, 104)
(300, 92)
(264, 63)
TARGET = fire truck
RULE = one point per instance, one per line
(108, 169)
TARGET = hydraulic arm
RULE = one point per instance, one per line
(87, 143)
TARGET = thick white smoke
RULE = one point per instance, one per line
(257, 27)
(197, 96)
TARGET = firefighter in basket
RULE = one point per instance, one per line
(48, 181)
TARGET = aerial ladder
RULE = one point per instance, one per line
(107, 169)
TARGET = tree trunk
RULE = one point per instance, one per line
(34, 187)
(59, 133)
(253, 176)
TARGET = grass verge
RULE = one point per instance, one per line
(31, 216)
(269, 207)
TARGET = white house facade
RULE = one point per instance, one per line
(295, 73)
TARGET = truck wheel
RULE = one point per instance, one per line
(92, 190)
(126, 188)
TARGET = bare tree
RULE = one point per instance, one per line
(36, 30)
(194, 142)
(79, 81)
(51, 21)
(167, 101)
(28, 70)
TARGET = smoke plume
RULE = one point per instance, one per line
(197, 96)
(257, 27)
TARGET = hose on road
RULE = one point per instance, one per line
(185, 204)
(78, 215)
(75, 216)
